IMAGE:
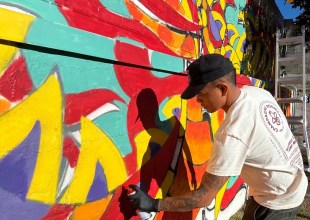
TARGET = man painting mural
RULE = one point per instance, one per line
(254, 141)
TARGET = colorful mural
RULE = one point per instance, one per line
(90, 103)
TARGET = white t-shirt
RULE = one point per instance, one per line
(255, 142)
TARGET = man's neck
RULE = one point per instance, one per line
(232, 96)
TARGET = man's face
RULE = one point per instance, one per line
(211, 97)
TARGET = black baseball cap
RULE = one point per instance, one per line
(205, 69)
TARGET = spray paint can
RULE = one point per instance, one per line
(141, 214)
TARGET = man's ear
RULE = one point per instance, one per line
(223, 87)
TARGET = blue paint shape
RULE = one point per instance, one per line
(42, 9)
(176, 112)
(77, 75)
(13, 208)
(99, 188)
(232, 16)
(16, 168)
(117, 6)
(231, 181)
(114, 124)
(165, 62)
(62, 37)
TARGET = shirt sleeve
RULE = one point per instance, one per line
(227, 156)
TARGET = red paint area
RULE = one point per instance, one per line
(243, 80)
(129, 53)
(164, 11)
(82, 104)
(92, 16)
(155, 170)
(193, 8)
(16, 83)
(58, 212)
(133, 81)
(70, 151)
(230, 193)
(213, 28)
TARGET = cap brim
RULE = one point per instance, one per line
(191, 91)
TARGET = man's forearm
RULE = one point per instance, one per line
(183, 203)
(198, 198)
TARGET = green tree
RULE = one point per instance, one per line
(304, 17)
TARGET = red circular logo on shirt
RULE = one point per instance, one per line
(272, 117)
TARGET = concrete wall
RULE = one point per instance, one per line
(90, 102)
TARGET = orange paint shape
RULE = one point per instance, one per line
(174, 4)
(165, 34)
(92, 210)
(194, 112)
(220, 115)
(137, 14)
(188, 47)
(188, 177)
(177, 42)
(199, 172)
(198, 140)
(4, 106)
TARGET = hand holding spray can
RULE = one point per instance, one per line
(141, 214)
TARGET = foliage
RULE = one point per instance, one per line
(304, 17)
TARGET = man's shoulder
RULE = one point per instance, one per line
(256, 92)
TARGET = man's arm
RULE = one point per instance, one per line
(201, 197)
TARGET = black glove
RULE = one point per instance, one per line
(143, 201)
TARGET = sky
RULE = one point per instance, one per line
(286, 9)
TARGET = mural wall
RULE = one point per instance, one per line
(90, 102)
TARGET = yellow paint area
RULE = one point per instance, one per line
(203, 18)
(183, 117)
(13, 27)
(45, 106)
(91, 210)
(234, 57)
(173, 103)
(182, 7)
(257, 83)
(165, 186)
(235, 36)
(209, 2)
(216, 120)
(142, 141)
(96, 146)
(218, 200)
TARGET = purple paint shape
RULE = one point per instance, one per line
(13, 208)
(176, 112)
(16, 171)
(228, 53)
(99, 188)
(16, 168)
(214, 28)
(230, 34)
